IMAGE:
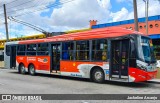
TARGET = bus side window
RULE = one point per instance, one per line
(132, 49)
(43, 49)
(99, 50)
(82, 50)
(21, 49)
(31, 49)
(8, 50)
(67, 51)
(132, 61)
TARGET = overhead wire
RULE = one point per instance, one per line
(10, 28)
(29, 25)
(42, 8)
(41, 30)
(10, 2)
(20, 9)
(1, 21)
(21, 4)
(47, 7)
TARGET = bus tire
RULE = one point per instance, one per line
(19, 71)
(22, 69)
(31, 69)
(98, 75)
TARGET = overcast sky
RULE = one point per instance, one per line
(65, 15)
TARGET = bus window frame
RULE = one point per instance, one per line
(21, 51)
(107, 50)
(37, 50)
(73, 51)
(31, 51)
(6, 50)
(82, 50)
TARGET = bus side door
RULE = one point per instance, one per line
(119, 59)
(13, 57)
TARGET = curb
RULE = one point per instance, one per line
(3, 68)
(157, 81)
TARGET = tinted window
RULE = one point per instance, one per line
(31, 49)
(82, 50)
(99, 50)
(43, 49)
(21, 49)
(67, 51)
(132, 49)
(8, 50)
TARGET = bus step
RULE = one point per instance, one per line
(54, 71)
(119, 79)
(117, 76)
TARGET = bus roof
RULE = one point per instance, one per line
(109, 32)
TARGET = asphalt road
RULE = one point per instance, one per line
(13, 83)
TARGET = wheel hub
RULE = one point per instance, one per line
(98, 75)
(22, 69)
(32, 69)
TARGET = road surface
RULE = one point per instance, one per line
(13, 83)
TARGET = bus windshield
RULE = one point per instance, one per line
(147, 54)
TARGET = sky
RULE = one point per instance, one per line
(64, 15)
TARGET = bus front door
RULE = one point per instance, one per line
(55, 57)
(119, 59)
(13, 57)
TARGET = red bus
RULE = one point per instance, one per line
(113, 53)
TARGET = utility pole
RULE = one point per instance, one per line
(6, 23)
(135, 15)
(146, 13)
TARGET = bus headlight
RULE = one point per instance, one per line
(141, 67)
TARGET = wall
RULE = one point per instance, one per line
(129, 24)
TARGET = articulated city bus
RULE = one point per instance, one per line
(113, 53)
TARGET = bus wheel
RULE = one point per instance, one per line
(98, 76)
(22, 69)
(31, 69)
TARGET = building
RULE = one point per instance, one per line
(153, 29)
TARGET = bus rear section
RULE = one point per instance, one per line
(33, 58)
(10, 55)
